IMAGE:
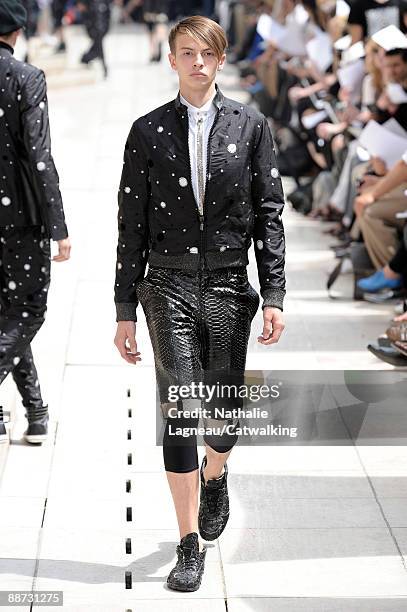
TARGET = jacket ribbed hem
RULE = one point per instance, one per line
(273, 297)
(192, 261)
(126, 311)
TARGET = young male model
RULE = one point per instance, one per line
(31, 213)
(199, 182)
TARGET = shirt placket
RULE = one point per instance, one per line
(200, 163)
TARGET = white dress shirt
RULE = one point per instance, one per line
(200, 122)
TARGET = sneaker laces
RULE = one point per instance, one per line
(212, 498)
(188, 562)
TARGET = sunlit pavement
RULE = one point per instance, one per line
(312, 527)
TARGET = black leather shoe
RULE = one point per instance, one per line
(188, 571)
(37, 430)
(214, 505)
(388, 354)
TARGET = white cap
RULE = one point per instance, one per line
(390, 38)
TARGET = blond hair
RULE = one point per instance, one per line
(202, 29)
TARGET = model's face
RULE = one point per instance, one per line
(195, 63)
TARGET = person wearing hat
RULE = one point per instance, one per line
(31, 215)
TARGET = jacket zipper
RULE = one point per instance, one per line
(202, 232)
(202, 216)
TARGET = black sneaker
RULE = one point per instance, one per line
(37, 431)
(188, 571)
(214, 505)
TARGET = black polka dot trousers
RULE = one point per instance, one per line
(199, 326)
(25, 261)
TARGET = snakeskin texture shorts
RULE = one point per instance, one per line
(199, 323)
(199, 326)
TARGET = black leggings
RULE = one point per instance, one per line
(24, 283)
(180, 453)
(199, 326)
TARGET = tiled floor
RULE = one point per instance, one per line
(312, 527)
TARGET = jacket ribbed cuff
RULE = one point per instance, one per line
(273, 297)
(126, 311)
(59, 233)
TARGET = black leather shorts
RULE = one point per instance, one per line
(198, 322)
(199, 326)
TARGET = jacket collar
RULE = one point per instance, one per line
(4, 45)
(218, 101)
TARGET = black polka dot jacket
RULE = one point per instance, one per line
(159, 221)
(29, 189)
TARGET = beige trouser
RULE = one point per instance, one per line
(381, 239)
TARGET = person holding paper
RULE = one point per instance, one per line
(375, 104)
(376, 208)
(367, 17)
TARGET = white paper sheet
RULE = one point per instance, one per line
(394, 127)
(270, 29)
(390, 38)
(396, 93)
(342, 9)
(319, 51)
(293, 40)
(355, 52)
(343, 43)
(351, 75)
(379, 141)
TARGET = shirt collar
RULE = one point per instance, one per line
(4, 45)
(207, 108)
(219, 101)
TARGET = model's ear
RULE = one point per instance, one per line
(172, 61)
(222, 62)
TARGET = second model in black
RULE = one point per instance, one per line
(159, 221)
(31, 215)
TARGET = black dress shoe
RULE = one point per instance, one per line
(214, 505)
(188, 571)
(37, 431)
(388, 354)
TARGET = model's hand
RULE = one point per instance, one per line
(273, 325)
(64, 250)
(125, 341)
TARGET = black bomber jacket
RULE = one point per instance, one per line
(29, 183)
(159, 221)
